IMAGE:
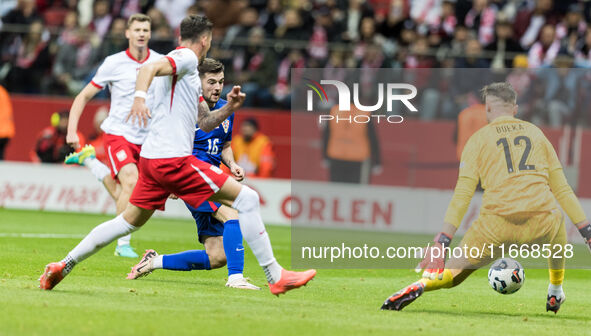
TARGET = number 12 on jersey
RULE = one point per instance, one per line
(523, 162)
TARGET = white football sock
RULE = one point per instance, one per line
(97, 168)
(273, 272)
(99, 237)
(125, 240)
(555, 290)
(156, 262)
(235, 276)
(253, 231)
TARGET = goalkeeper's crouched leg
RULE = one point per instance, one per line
(446, 282)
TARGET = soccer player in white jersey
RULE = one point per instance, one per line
(123, 139)
(167, 166)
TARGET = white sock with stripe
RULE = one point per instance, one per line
(254, 232)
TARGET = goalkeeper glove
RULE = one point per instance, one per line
(586, 233)
(434, 261)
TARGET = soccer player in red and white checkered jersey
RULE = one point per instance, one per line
(167, 166)
(122, 139)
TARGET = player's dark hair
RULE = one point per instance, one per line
(139, 17)
(253, 122)
(502, 90)
(193, 26)
(210, 65)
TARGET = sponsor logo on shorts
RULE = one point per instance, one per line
(215, 169)
(121, 155)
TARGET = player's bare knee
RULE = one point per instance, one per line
(214, 247)
(136, 216)
(224, 214)
(128, 186)
(128, 177)
(247, 200)
(217, 258)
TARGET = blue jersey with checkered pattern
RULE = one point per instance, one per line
(208, 145)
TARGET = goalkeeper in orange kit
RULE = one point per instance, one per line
(522, 180)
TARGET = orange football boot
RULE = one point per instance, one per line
(291, 280)
(52, 275)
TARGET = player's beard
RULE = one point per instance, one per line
(210, 102)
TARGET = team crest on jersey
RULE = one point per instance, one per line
(226, 125)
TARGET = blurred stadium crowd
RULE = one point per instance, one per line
(54, 46)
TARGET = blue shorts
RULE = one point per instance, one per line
(206, 224)
(206, 206)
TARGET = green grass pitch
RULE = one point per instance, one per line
(96, 299)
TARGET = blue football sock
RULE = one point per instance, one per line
(186, 261)
(233, 247)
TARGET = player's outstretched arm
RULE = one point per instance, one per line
(228, 160)
(434, 261)
(139, 110)
(208, 120)
(568, 201)
(76, 112)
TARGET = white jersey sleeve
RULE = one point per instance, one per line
(183, 61)
(104, 74)
(119, 72)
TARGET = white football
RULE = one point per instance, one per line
(506, 276)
